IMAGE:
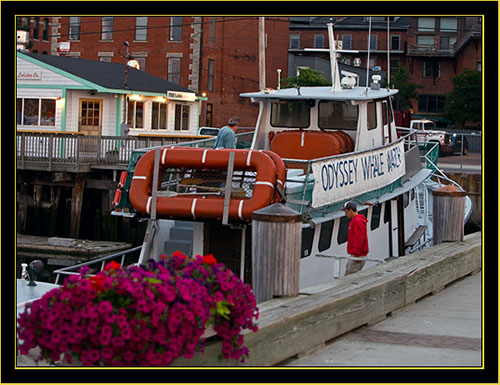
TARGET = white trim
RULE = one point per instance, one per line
(193, 206)
(240, 209)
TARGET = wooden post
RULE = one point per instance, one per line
(276, 246)
(76, 205)
(448, 210)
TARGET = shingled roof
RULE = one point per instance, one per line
(109, 75)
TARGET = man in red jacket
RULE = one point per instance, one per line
(357, 238)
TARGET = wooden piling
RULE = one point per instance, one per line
(448, 211)
(76, 205)
(276, 246)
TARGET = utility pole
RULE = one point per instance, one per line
(262, 54)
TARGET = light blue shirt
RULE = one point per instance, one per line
(226, 138)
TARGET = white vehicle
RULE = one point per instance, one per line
(427, 132)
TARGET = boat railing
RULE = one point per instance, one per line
(126, 258)
(243, 140)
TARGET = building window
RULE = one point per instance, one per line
(319, 41)
(210, 114)
(142, 62)
(448, 24)
(36, 112)
(426, 24)
(373, 42)
(211, 75)
(447, 42)
(36, 28)
(45, 33)
(212, 30)
(181, 117)
(174, 70)
(430, 103)
(107, 28)
(395, 43)
(159, 117)
(425, 40)
(141, 28)
(135, 117)
(74, 28)
(432, 69)
(346, 41)
(395, 63)
(294, 41)
(176, 28)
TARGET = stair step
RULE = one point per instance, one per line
(188, 224)
(183, 246)
(181, 233)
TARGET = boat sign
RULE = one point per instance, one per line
(344, 177)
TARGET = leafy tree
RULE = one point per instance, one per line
(407, 90)
(306, 77)
(463, 103)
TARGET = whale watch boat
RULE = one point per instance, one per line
(313, 149)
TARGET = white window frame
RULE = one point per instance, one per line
(39, 118)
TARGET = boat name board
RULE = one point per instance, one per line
(344, 177)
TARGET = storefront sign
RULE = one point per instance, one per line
(29, 75)
(186, 96)
(344, 177)
(64, 48)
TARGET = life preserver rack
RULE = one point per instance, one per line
(269, 180)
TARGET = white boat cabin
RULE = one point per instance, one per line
(363, 114)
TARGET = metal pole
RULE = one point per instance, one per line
(262, 54)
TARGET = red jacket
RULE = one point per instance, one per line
(357, 239)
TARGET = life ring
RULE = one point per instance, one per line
(281, 176)
(121, 184)
(206, 206)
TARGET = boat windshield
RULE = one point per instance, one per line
(290, 113)
(338, 115)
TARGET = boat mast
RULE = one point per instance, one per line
(333, 60)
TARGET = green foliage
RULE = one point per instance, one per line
(407, 90)
(463, 103)
(306, 77)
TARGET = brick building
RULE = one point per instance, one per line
(213, 56)
(218, 56)
(433, 48)
(438, 49)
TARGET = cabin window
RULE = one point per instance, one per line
(338, 115)
(343, 230)
(307, 241)
(406, 199)
(372, 116)
(387, 212)
(293, 114)
(325, 236)
(376, 210)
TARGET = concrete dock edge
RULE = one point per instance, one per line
(290, 326)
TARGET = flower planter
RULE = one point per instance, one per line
(146, 315)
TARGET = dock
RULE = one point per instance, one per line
(65, 251)
(289, 327)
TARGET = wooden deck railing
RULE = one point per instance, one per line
(76, 152)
